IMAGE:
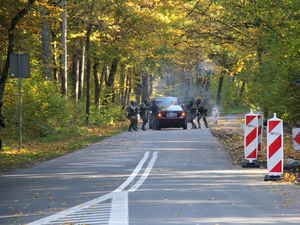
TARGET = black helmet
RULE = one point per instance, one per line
(132, 102)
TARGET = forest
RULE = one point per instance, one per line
(88, 59)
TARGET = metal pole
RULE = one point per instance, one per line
(20, 100)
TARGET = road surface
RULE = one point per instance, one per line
(172, 176)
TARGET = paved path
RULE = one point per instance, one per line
(172, 176)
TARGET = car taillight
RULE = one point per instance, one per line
(182, 114)
(159, 115)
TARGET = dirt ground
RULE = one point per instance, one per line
(230, 130)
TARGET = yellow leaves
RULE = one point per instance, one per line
(288, 177)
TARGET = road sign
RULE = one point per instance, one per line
(19, 68)
(19, 65)
(296, 138)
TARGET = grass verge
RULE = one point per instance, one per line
(34, 152)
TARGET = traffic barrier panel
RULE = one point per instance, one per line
(296, 138)
(260, 132)
(250, 140)
(215, 113)
(274, 148)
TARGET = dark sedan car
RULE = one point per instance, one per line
(171, 116)
(161, 101)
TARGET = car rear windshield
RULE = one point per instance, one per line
(166, 101)
(171, 108)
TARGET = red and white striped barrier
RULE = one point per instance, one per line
(275, 146)
(250, 137)
(215, 113)
(260, 132)
(296, 138)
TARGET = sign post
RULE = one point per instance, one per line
(19, 68)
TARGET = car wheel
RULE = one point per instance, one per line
(185, 127)
(158, 127)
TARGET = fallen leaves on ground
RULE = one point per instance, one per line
(34, 152)
(234, 144)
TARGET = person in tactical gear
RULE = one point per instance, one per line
(154, 108)
(131, 116)
(190, 106)
(2, 120)
(201, 112)
(136, 113)
(143, 114)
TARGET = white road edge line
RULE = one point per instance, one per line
(94, 201)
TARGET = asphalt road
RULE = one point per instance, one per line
(172, 176)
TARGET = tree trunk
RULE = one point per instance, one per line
(242, 89)
(152, 78)
(55, 63)
(88, 73)
(74, 78)
(128, 86)
(129, 91)
(145, 93)
(122, 83)
(138, 86)
(97, 85)
(46, 46)
(111, 78)
(10, 48)
(64, 77)
(126, 92)
(81, 76)
(207, 87)
(104, 72)
(219, 91)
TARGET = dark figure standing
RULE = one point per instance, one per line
(143, 114)
(2, 120)
(136, 113)
(154, 108)
(131, 116)
(202, 112)
(192, 109)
